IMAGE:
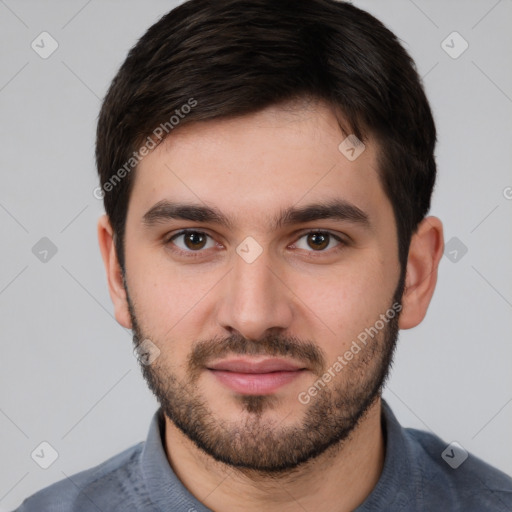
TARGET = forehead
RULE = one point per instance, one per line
(253, 166)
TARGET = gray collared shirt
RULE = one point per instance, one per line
(417, 476)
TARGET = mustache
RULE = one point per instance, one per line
(271, 345)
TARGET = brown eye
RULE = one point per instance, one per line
(318, 241)
(192, 241)
(195, 240)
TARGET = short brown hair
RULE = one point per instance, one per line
(234, 57)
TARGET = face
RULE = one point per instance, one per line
(263, 265)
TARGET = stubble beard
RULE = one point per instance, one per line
(258, 443)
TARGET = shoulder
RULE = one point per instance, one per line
(452, 476)
(91, 489)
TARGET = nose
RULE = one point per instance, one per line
(255, 299)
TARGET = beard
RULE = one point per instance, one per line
(259, 445)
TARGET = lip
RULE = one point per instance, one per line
(245, 365)
(255, 377)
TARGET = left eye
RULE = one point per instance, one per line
(318, 241)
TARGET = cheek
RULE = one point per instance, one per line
(162, 300)
(170, 302)
(344, 303)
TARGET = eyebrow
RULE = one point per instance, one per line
(336, 209)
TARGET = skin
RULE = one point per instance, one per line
(251, 168)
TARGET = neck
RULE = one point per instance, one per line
(340, 479)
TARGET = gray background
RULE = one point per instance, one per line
(67, 372)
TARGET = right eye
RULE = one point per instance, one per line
(192, 241)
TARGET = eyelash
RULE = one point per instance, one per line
(199, 253)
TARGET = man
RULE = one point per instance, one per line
(267, 168)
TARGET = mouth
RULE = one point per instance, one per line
(255, 377)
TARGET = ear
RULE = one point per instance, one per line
(425, 253)
(114, 274)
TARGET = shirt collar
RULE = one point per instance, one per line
(165, 489)
(396, 488)
(399, 482)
